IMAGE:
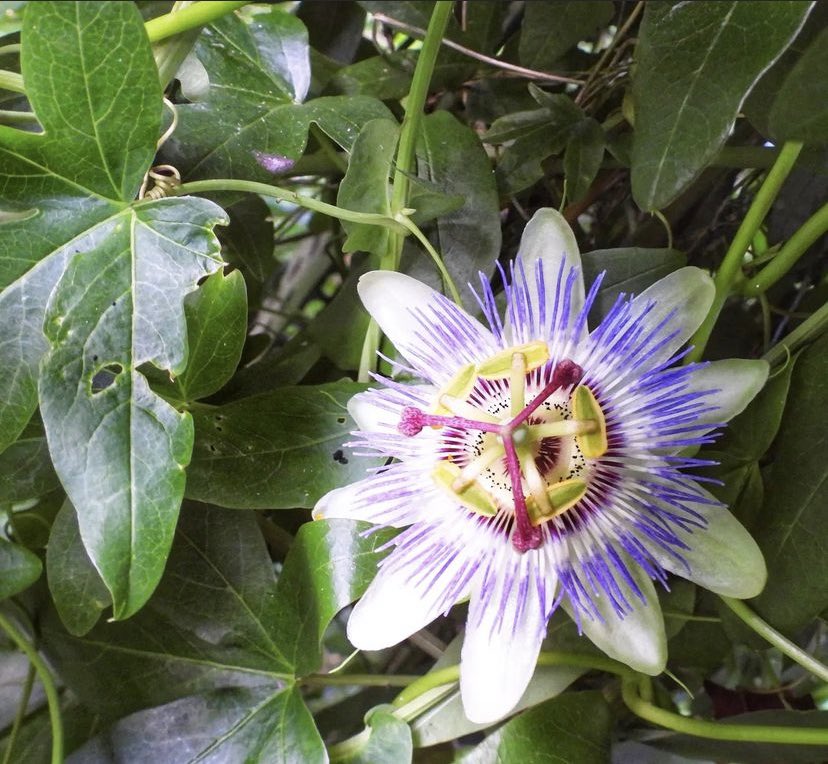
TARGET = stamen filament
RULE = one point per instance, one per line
(478, 466)
(525, 536)
(517, 384)
(537, 485)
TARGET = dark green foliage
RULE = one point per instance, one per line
(176, 369)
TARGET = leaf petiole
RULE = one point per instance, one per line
(781, 643)
(196, 15)
(46, 679)
(732, 262)
(285, 195)
(636, 692)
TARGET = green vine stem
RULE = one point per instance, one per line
(732, 262)
(22, 705)
(46, 679)
(360, 680)
(438, 261)
(451, 674)
(814, 227)
(415, 103)
(636, 691)
(285, 195)
(404, 162)
(781, 643)
(195, 15)
(809, 330)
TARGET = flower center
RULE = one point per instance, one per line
(533, 461)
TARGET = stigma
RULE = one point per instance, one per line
(530, 463)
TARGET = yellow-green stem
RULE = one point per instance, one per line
(286, 195)
(196, 15)
(732, 262)
(814, 227)
(781, 643)
(22, 705)
(46, 680)
(634, 691)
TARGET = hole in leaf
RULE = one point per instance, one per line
(340, 419)
(105, 377)
(212, 448)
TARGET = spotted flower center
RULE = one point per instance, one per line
(513, 443)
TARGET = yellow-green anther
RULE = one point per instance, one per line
(500, 365)
(561, 496)
(460, 387)
(473, 496)
(586, 408)
(517, 384)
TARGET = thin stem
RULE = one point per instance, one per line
(766, 322)
(170, 53)
(732, 263)
(531, 74)
(451, 674)
(438, 261)
(687, 617)
(46, 679)
(21, 713)
(11, 81)
(814, 227)
(285, 195)
(808, 331)
(781, 643)
(368, 356)
(196, 15)
(363, 680)
(415, 103)
(633, 688)
(619, 35)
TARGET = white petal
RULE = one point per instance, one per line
(395, 497)
(723, 557)
(431, 332)
(687, 294)
(409, 592)
(548, 239)
(736, 380)
(370, 415)
(503, 638)
(380, 410)
(637, 639)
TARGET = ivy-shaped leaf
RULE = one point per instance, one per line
(252, 121)
(280, 449)
(260, 724)
(95, 285)
(93, 85)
